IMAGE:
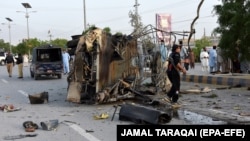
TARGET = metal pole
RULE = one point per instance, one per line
(27, 16)
(84, 13)
(10, 38)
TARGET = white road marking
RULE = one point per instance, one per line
(4, 81)
(23, 93)
(82, 132)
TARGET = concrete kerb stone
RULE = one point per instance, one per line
(231, 80)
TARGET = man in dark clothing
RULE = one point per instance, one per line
(10, 63)
(173, 73)
(19, 62)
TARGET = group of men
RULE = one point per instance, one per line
(212, 61)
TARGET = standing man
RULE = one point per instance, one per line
(220, 61)
(204, 60)
(66, 59)
(10, 63)
(19, 62)
(164, 51)
(25, 60)
(173, 73)
(213, 59)
(185, 56)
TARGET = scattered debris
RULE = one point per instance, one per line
(143, 115)
(70, 121)
(210, 96)
(102, 116)
(237, 107)
(244, 114)
(19, 136)
(30, 126)
(197, 91)
(39, 98)
(9, 108)
(50, 125)
(116, 106)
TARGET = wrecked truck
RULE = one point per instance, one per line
(102, 64)
(108, 68)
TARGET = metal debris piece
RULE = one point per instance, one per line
(143, 115)
(19, 136)
(49, 125)
(102, 116)
(39, 98)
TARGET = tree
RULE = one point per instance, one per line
(199, 44)
(59, 42)
(234, 28)
(4, 46)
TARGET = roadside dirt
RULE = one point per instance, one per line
(229, 104)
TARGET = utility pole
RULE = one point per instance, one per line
(27, 6)
(84, 14)
(50, 36)
(139, 43)
(9, 26)
(136, 13)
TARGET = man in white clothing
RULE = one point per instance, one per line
(66, 58)
(204, 60)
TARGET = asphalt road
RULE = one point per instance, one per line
(76, 122)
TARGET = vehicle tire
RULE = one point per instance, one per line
(31, 74)
(2, 63)
(59, 76)
(36, 76)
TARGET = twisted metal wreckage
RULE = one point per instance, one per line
(108, 68)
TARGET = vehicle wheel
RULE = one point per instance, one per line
(36, 76)
(31, 74)
(59, 76)
(2, 63)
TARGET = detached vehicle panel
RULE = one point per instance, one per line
(46, 60)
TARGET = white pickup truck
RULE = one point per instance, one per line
(2, 58)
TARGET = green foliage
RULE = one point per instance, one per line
(234, 27)
(4, 46)
(199, 44)
(60, 42)
(107, 30)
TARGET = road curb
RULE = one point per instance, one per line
(217, 80)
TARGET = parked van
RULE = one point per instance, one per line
(46, 61)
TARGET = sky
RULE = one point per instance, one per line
(65, 18)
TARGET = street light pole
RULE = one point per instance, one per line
(84, 14)
(26, 6)
(9, 20)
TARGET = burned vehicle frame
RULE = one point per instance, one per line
(107, 68)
